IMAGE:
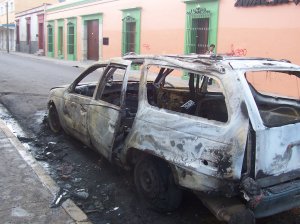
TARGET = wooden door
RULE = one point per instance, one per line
(41, 35)
(93, 40)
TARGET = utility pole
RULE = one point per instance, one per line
(7, 30)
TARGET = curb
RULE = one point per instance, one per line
(69, 206)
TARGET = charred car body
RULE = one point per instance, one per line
(206, 123)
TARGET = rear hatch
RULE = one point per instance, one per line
(277, 96)
(278, 154)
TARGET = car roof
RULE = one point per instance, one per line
(213, 61)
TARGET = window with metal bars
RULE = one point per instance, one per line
(60, 40)
(71, 38)
(129, 38)
(50, 38)
(198, 27)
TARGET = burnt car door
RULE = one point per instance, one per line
(77, 100)
(105, 111)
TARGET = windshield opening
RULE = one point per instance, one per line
(277, 95)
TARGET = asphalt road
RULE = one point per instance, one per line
(24, 87)
(25, 84)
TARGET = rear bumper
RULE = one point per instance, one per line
(278, 198)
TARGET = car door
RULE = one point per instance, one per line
(77, 100)
(104, 113)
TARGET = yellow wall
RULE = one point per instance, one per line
(22, 5)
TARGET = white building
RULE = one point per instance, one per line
(30, 30)
(7, 10)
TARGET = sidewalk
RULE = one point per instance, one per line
(27, 190)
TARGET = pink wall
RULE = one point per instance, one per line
(264, 31)
(162, 28)
(162, 31)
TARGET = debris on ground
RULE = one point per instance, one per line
(77, 180)
(65, 170)
(25, 139)
(81, 194)
(61, 196)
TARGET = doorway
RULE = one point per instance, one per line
(92, 40)
(200, 29)
(60, 42)
(41, 35)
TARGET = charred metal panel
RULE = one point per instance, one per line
(102, 125)
(75, 114)
(262, 64)
(280, 148)
(204, 183)
(197, 144)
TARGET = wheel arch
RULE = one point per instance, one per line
(133, 155)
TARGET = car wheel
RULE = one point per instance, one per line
(53, 119)
(155, 184)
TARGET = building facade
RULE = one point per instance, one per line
(23, 5)
(7, 11)
(30, 25)
(30, 30)
(100, 29)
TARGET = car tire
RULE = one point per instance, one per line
(53, 119)
(155, 184)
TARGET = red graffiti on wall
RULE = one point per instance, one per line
(146, 46)
(236, 52)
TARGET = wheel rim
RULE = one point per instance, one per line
(149, 181)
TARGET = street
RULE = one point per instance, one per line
(112, 198)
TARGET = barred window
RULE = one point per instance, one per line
(129, 40)
(50, 38)
(198, 28)
(71, 38)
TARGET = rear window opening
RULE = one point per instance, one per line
(277, 95)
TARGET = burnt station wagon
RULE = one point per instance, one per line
(226, 128)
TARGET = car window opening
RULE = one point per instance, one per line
(185, 92)
(277, 104)
(86, 85)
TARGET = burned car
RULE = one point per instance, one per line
(226, 128)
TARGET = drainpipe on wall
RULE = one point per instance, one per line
(7, 29)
